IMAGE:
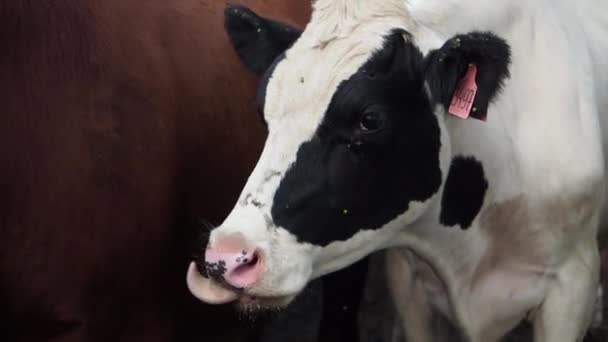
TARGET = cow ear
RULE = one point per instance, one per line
(480, 54)
(257, 40)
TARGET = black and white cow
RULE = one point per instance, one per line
(490, 220)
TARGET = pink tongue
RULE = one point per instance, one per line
(207, 290)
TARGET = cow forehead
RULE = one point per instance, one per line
(302, 85)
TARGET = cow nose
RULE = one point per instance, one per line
(232, 260)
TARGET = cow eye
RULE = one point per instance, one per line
(371, 121)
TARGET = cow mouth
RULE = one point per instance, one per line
(215, 293)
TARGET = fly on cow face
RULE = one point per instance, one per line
(375, 150)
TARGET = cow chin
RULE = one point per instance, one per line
(274, 292)
(252, 304)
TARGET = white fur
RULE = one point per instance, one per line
(544, 142)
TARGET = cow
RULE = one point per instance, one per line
(467, 138)
(119, 126)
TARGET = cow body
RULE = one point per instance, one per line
(491, 221)
(532, 250)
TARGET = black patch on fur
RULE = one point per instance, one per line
(257, 40)
(346, 179)
(464, 192)
(446, 66)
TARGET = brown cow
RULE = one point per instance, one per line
(119, 119)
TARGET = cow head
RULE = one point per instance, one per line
(356, 151)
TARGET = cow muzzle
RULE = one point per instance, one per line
(232, 267)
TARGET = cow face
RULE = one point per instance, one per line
(357, 149)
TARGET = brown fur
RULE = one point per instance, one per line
(502, 223)
(118, 118)
(510, 244)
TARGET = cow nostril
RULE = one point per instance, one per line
(247, 264)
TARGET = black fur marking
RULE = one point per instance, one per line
(446, 66)
(347, 179)
(256, 203)
(257, 40)
(464, 192)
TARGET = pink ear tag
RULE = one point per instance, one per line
(464, 95)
